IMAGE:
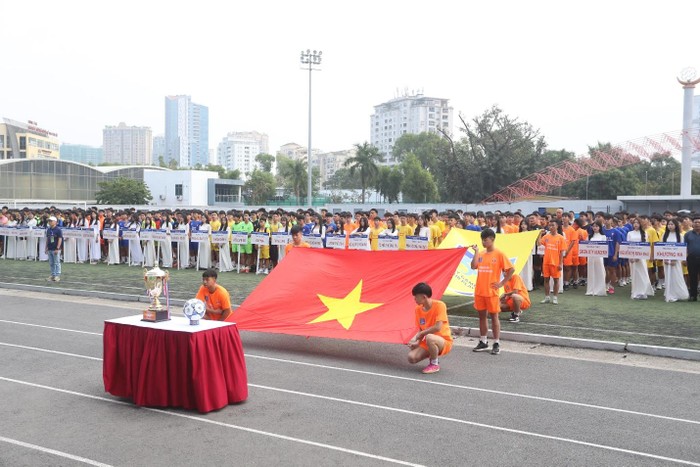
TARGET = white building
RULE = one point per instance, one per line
(186, 131)
(183, 188)
(129, 145)
(237, 151)
(410, 113)
(329, 162)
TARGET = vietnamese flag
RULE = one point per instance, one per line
(346, 294)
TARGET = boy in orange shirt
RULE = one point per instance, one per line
(490, 264)
(297, 240)
(433, 338)
(553, 261)
(215, 297)
(515, 298)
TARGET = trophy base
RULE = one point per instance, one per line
(154, 316)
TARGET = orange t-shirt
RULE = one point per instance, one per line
(516, 284)
(437, 312)
(553, 245)
(288, 247)
(218, 300)
(491, 265)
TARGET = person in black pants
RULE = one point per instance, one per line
(692, 238)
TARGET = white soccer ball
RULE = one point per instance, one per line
(194, 309)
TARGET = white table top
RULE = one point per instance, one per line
(176, 323)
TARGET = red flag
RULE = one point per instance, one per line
(346, 294)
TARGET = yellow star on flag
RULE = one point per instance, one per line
(344, 309)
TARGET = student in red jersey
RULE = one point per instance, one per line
(490, 265)
(433, 338)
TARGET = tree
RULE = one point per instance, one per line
(293, 175)
(388, 183)
(418, 185)
(265, 161)
(496, 151)
(364, 162)
(426, 147)
(261, 186)
(342, 180)
(123, 190)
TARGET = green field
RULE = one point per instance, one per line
(613, 318)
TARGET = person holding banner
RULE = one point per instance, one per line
(297, 240)
(676, 288)
(375, 232)
(515, 298)
(641, 285)
(595, 283)
(490, 265)
(434, 338)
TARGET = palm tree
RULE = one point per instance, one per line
(294, 172)
(365, 162)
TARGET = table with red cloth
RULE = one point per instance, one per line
(174, 364)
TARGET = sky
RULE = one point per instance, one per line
(581, 73)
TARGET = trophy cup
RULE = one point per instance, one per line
(156, 281)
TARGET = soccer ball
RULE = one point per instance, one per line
(194, 309)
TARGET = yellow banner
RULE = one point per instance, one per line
(517, 246)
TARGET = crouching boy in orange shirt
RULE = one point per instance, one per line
(433, 338)
(515, 298)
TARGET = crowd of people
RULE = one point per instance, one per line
(556, 263)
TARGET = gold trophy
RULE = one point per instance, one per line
(156, 281)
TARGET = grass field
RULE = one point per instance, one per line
(613, 318)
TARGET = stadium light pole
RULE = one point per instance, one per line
(310, 58)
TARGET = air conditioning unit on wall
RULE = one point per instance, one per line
(162, 197)
(179, 197)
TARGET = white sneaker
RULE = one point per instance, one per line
(546, 299)
(555, 301)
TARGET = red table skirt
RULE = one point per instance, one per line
(203, 370)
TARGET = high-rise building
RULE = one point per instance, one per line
(411, 113)
(129, 145)
(158, 149)
(329, 162)
(27, 141)
(82, 153)
(186, 131)
(237, 151)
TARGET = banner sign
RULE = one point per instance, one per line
(359, 242)
(589, 249)
(672, 251)
(160, 235)
(416, 243)
(239, 238)
(87, 233)
(146, 234)
(540, 249)
(314, 240)
(280, 238)
(110, 234)
(635, 250)
(22, 231)
(37, 232)
(127, 235)
(385, 243)
(178, 235)
(219, 237)
(196, 236)
(335, 241)
(260, 238)
(70, 232)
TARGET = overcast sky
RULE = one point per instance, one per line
(580, 72)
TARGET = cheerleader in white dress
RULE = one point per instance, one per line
(21, 248)
(363, 229)
(225, 263)
(204, 248)
(113, 246)
(135, 250)
(166, 249)
(149, 249)
(82, 243)
(183, 247)
(69, 248)
(32, 242)
(676, 289)
(43, 256)
(94, 244)
(641, 285)
(595, 282)
(11, 248)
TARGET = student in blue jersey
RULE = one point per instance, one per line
(614, 237)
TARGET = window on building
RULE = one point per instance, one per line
(22, 142)
(178, 189)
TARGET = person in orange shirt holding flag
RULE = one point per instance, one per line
(297, 240)
(490, 265)
(215, 297)
(553, 261)
(433, 338)
(515, 298)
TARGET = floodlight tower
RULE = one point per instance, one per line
(688, 80)
(310, 58)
